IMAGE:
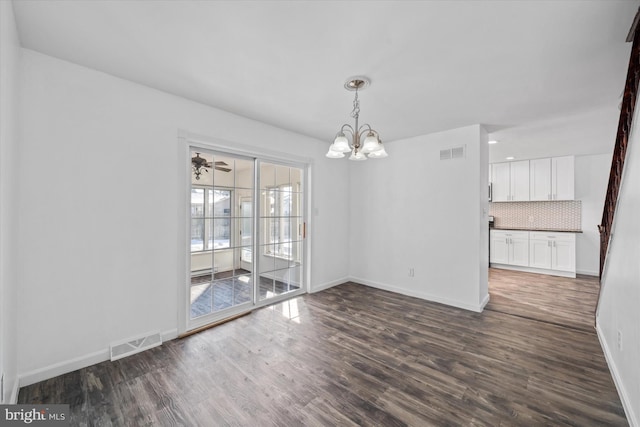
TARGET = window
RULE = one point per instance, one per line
(210, 219)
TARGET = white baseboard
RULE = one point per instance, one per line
(169, 335)
(51, 371)
(570, 274)
(327, 285)
(624, 397)
(44, 373)
(588, 272)
(484, 302)
(422, 295)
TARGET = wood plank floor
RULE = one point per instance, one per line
(353, 355)
(560, 300)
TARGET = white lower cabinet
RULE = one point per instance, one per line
(510, 247)
(553, 251)
(535, 251)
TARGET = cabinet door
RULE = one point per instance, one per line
(499, 249)
(500, 180)
(520, 181)
(540, 179)
(563, 255)
(562, 178)
(540, 253)
(519, 251)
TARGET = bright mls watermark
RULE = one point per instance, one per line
(34, 415)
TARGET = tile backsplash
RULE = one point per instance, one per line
(560, 215)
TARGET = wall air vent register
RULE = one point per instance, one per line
(453, 153)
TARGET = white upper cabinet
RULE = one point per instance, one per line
(510, 181)
(520, 181)
(562, 178)
(540, 179)
(552, 178)
(500, 182)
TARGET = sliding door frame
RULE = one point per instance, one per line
(186, 143)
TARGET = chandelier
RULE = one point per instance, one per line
(360, 149)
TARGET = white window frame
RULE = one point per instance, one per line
(207, 224)
(267, 231)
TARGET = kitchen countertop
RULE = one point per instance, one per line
(546, 230)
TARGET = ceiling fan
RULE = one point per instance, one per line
(200, 164)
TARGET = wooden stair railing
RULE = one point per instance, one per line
(622, 142)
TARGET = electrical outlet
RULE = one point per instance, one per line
(619, 340)
(411, 272)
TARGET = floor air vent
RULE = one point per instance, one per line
(135, 345)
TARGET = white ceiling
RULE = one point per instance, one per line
(545, 77)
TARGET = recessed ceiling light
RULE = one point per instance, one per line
(493, 141)
(510, 158)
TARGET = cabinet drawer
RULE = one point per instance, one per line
(510, 233)
(557, 236)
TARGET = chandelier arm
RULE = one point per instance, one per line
(366, 127)
(348, 128)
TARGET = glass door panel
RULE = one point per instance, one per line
(281, 228)
(221, 234)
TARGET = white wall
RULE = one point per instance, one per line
(619, 308)
(9, 63)
(98, 257)
(412, 210)
(591, 178)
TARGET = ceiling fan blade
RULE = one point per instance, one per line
(220, 168)
(221, 163)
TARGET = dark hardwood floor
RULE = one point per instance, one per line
(560, 300)
(353, 355)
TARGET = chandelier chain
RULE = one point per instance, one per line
(356, 106)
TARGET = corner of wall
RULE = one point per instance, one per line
(9, 78)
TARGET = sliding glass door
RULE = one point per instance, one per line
(281, 230)
(222, 191)
(246, 234)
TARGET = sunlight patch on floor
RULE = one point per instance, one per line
(289, 309)
(197, 290)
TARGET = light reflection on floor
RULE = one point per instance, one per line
(288, 308)
(197, 290)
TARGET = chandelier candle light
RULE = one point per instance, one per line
(371, 146)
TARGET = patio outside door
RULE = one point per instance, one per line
(246, 235)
